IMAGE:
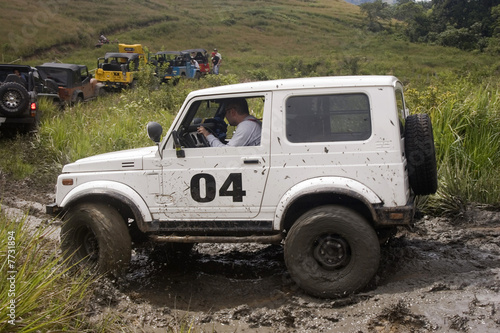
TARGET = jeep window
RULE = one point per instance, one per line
(84, 73)
(77, 79)
(328, 118)
(211, 113)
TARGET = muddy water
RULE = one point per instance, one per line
(441, 276)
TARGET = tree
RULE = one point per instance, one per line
(466, 24)
(374, 11)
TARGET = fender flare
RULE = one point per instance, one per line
(115, 190)
(75, 95)
(345, 186)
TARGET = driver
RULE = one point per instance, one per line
(248, 128)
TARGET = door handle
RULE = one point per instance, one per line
(251, 160)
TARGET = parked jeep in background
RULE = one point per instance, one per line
(18, 97)
(68, 83)
(177, 64)
(115, 70)
(201, 56)
(337, 170)
(164, 62)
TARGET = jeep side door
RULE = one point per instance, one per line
(214, 183)
(87, 88)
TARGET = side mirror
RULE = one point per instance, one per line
(154, 131)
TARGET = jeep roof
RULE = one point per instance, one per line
(63, 74)
(303, 83)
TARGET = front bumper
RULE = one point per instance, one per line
(52, 209)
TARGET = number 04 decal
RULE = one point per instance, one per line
(232, 187)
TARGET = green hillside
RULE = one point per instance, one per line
(257, 39)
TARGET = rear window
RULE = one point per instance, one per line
(327, 118)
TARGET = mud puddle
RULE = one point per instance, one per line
(441, 276)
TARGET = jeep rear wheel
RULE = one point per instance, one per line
(332, 251)
(420, 154)
(96, 236)
(14, 99)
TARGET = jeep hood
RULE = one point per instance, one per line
(131, 159)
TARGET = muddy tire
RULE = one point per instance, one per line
(96, 236)
(332, 251)
(14, 99)
(420, 154)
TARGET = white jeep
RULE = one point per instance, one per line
(337, 170)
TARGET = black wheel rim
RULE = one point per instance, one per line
(331, 251)
(88, 244)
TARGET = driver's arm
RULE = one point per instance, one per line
(212, 140)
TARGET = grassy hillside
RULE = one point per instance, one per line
(33, 27)
(258, 39)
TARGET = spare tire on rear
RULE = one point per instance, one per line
(14, 99)
(420, 154)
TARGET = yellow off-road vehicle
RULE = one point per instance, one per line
(115, 70)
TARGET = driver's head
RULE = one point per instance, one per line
(240, 105)
(236, 110)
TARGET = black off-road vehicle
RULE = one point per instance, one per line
(18, 97)
(68, 83)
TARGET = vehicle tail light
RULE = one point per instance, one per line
(33, 108)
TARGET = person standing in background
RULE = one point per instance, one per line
(216, 61)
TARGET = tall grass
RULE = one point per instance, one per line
(36, 294)
(465, 112)
(115, 121)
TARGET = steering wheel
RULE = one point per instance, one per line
(203, 140)
(216, 126)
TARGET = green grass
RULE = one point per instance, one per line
(37, 293)
(465, 113)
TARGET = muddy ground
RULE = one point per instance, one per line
(443, 275)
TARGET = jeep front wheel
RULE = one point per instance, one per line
(332, 251)
(96, 236)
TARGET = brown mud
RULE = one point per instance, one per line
(442, 275)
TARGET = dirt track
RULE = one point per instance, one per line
(441, 276)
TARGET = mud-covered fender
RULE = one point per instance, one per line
(75, 95)
(111, 189)
(344, 186)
